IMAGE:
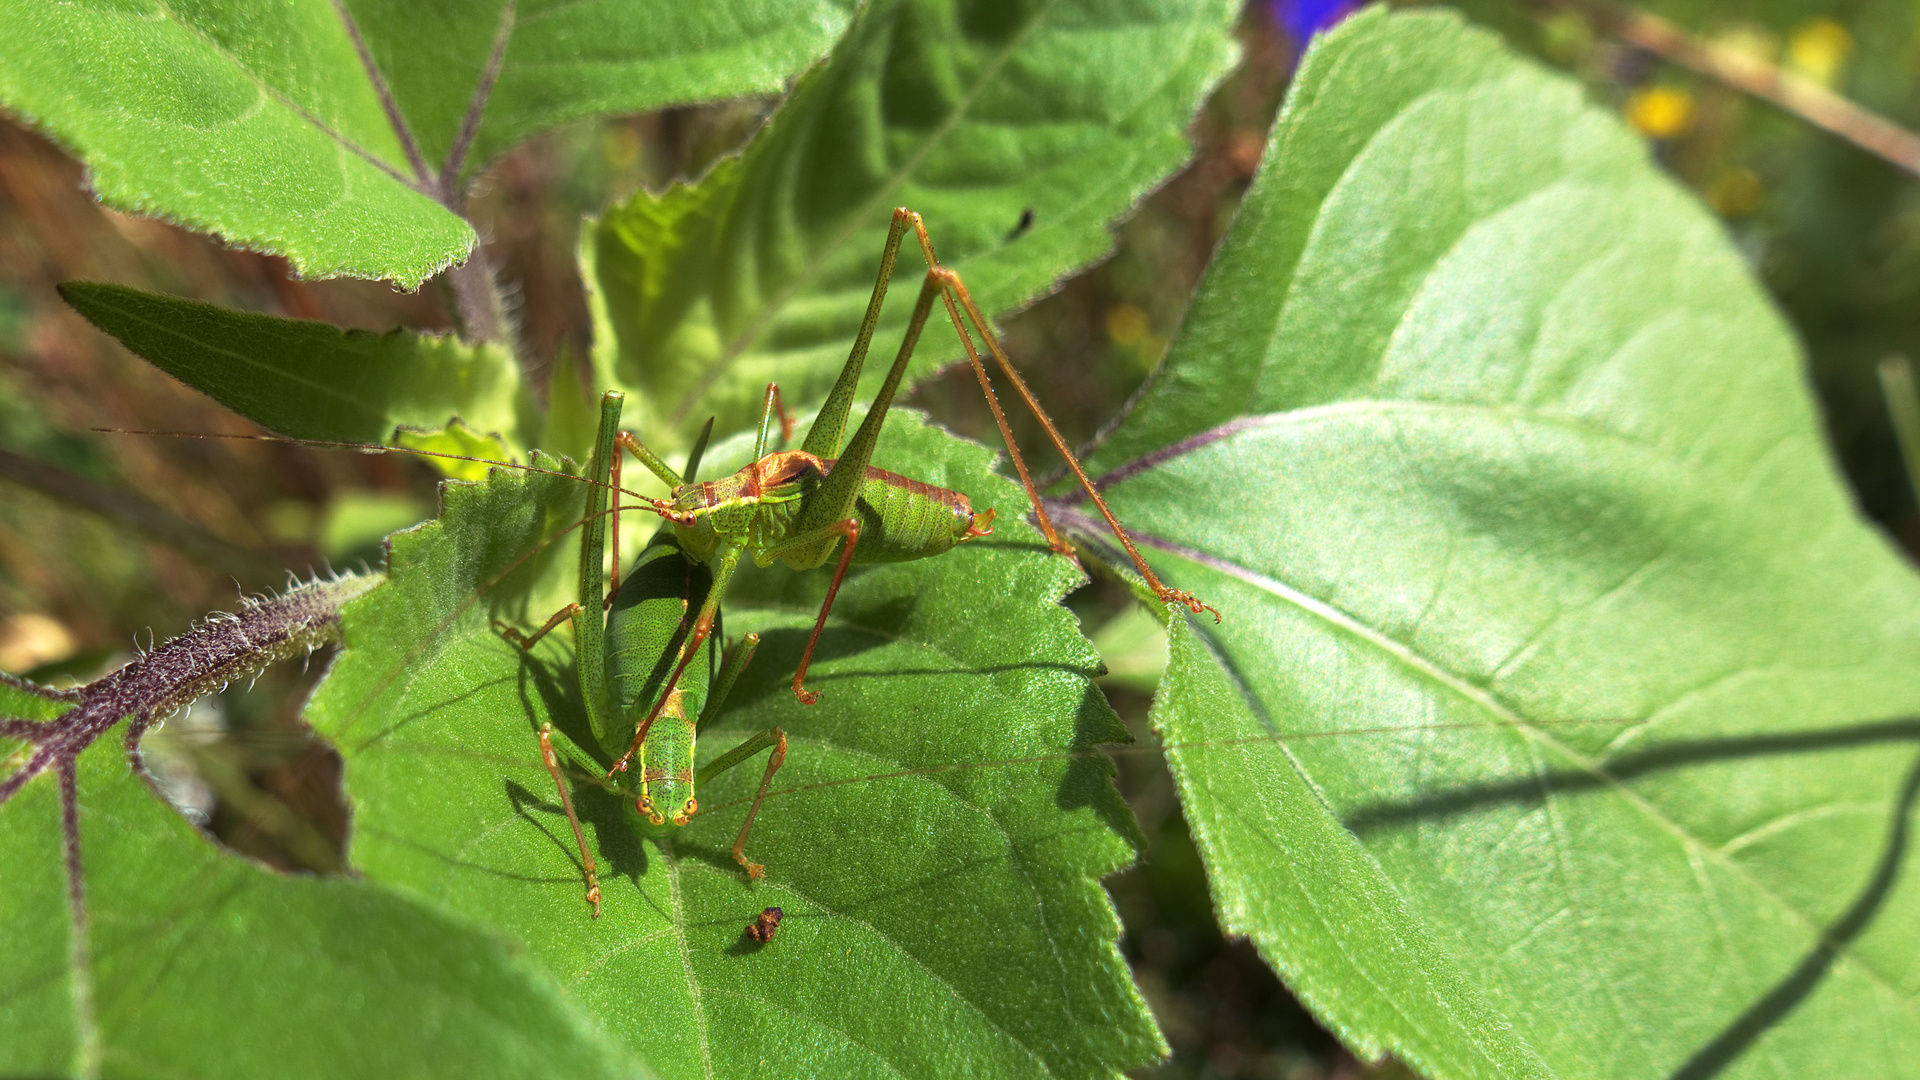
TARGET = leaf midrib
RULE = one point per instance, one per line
(1433, 671)
(267, 91)
(856, 219)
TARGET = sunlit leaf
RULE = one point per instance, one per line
(929, 919)
(979, 116)
(1520, 462)
(340, 134)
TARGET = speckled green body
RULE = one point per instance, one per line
(646, 627)
(901, 518)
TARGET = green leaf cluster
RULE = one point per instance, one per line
(1479, 434)
(340, 134)
(1545, 506)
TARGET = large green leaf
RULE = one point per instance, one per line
(568, 59)
(338, 134)
(199, 963)
(1524, 472)
(974, 114)
(308, 379)
(936, 922)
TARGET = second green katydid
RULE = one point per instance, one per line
(796, 506)
(623, 658)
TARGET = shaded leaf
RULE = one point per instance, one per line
(311, 380)
(272, 128)
(929, 919)
(972, 114)
(200, 963)
(1526, 474)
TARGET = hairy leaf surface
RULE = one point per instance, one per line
(340, 134)
(1527, 477)
(975, 115)
(948, 916)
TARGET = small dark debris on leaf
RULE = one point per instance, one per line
(1020, 228)
(761, 929)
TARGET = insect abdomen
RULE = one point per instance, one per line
(646, 627)
(902, 518)
(663, 798)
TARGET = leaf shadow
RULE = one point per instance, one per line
(560, 703)
(600, 812)
(1089, 778)
(1799, 984)
(1616, 770)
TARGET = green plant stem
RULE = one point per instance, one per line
(1804, 98)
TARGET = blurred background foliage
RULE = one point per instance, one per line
(106, 539)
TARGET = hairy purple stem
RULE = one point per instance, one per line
(422, 174)
(470, 125)
(222, 648)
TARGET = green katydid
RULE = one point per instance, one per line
(787, 506)
(796, 506)
(622, 646)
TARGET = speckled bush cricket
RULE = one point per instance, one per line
(796, 506)
(786, 506)
(621, 649)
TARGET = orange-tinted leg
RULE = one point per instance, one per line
(526, 642)
(773, 737)
(701, 629)
(777, 407)
(774, 761)
(850, 528)
(956, 290)
(552, 761)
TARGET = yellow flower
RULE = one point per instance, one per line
(1818, 49)
(1660, 112)
(1127, 325)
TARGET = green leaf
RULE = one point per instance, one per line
(569, 59)
(258, 124)
(950, 915)
(310, 380)
(199, 963)
(972, 114)
(469, 454)
(1525, 478)
(273, 128)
